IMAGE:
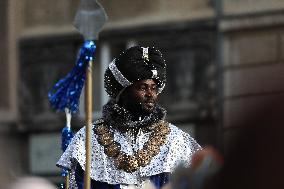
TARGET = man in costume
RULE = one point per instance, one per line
(132, 144)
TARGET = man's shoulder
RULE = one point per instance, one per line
(176, 130)
(98, 122)
(178, 134)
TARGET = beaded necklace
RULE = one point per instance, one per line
(142, 157)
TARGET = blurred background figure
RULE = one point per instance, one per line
(204, 165)
(253, 159)
(32, 183)
(255, 156)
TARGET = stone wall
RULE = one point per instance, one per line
(4, 102)
(144, 12)
(42, 17)
(253, 73)
(13, 158)
(237, 7)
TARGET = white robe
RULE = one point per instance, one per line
(178, 149)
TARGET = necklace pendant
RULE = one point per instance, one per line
(106, 139)
(112, 150)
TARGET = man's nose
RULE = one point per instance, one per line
(150, 92)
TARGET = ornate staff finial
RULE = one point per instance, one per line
(90, 19)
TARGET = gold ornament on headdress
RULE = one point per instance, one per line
(145, 55)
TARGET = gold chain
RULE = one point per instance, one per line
(142, 157)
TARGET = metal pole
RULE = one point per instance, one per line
(88, 112)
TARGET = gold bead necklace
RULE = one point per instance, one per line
(142, 157)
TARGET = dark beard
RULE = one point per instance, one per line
(142, 108)
(148, 106)
(119, 117)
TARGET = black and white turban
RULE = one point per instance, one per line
(136, 63)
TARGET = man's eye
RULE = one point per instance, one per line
(142, 88)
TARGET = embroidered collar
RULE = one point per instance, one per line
(121, 119)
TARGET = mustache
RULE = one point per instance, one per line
(149, 101)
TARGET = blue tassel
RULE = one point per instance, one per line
(66, 137)
(66, 92)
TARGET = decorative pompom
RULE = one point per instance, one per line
(66, 92)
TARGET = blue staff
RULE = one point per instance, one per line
(89, 20)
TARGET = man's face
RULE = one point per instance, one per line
(141, 97)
